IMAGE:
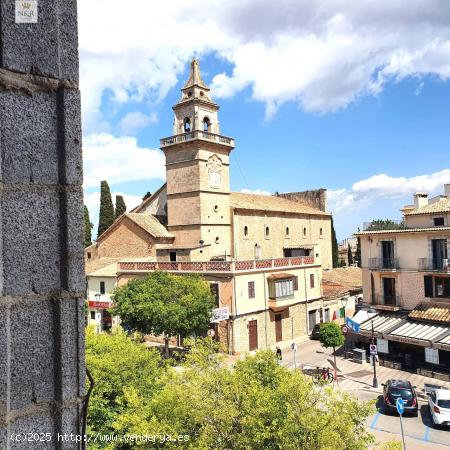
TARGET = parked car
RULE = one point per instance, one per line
(439, 405)
(315, 333)
(394, 389)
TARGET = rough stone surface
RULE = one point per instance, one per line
(48, 47)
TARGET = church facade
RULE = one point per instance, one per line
(262, 255)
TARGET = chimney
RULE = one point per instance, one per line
(420, 199)
(447, 190)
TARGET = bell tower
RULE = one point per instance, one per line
(197, 173)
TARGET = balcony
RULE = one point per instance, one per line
(197, 134)
(228, 267)
(387, 264)
(434, 265)
(388, 302)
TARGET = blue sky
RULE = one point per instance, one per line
(371, 129)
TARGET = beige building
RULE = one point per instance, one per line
(263, 255)
(406, 274)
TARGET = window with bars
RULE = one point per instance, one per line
(251, 289)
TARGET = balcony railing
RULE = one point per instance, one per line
(217, 266)
(197, 134)
(386, 300)
(434, 265)
(384, 263)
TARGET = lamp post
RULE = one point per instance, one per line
(344, 301)
(97, 299)
(375, 381)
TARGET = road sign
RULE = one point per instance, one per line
(294, 346)
(400, 404)
(344, 329)
(373, 349)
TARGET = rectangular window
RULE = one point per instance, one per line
(438, 221)
(102, 287)
(442, 287)
(311, 280)
(215, 292)
(295, 281)
(251, 289)
(284, 288)
(327, 314)
(173, 256)
(92, 315)
(428, 283)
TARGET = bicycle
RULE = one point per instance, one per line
(324, 375)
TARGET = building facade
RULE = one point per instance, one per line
(406, 279)
(262, 255)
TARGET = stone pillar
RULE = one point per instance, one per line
(42, 371)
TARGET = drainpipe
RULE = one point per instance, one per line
(265, 303)
(306, 298)
(233, 347)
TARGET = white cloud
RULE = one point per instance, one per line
(92, 201)
(256, 191)
(382, 186)
(135, 121)
(119, 159)
(322, 55)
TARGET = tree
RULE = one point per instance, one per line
(106, 217)
(146, 196)
(165, 304)
(121, 208)
(334, 245)
(87, 228)
(120, 368)
(255, 404)
(331, 336)
(358, 251)
(386, 224)
(350, 255)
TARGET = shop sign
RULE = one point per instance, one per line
(93, 304)
(382, 345)
(219, 314)
(352, 324)
(432, 355)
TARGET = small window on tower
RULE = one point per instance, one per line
(321, 232)
(246, 231)
(217, 240)
(304, 231)
(206, 124)
(187, 125)
(267, 232)
(216, 208)
(287, 231)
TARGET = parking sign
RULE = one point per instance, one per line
(373, 349)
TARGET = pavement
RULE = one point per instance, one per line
(358, 379)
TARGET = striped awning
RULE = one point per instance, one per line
(443, 343)
(382, 324)
(418, 333)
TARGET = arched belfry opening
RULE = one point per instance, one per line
(187, 125)
(207, 125)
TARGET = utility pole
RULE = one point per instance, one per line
(375, 381)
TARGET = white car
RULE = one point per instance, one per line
(439, 405)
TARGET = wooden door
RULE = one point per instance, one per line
(278, 328)
(252, 335)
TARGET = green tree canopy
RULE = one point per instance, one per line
(358, 251)
(256, 404)
(386, 224)
(106, 217)
(331, 336)
(121, 207)
(165, 304)
(350, 255)
(119, 367)
(334, 245)
(87, 228)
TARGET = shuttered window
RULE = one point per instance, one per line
(428, 282)
(311, 280)
(295, 281)
(251, 289)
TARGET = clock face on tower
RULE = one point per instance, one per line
(214, 165)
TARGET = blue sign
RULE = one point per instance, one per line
(400, 404)
(352, 324)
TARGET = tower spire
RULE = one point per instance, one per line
(195, 77)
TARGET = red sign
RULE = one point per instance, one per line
(93, 304)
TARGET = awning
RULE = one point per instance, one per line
(382, 324)
(418, 333)
(280, 276)
(363, 315)
(298, 247)
(443, 343)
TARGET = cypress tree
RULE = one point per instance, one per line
(334, 245)
(121, 208)
(87, 228)
(106, 217)
(358, 251)
(350, 255)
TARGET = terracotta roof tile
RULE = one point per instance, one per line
(432, 312)
(440, 206)
(149, 224)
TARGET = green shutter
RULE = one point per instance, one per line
(428, 282)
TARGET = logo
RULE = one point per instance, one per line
(26, 11)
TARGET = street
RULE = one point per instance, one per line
(357, 379)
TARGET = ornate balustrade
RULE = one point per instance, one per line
(217, 266)
(196, 134)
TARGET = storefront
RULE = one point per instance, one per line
(99, 316)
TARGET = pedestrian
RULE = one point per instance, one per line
(279, 355)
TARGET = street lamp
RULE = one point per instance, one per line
(375, 381)
(344, 301)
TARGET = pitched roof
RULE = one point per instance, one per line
(148, 199)
(441, 206)
(240, 200)
(404, 230)
(432, 312)
(338, 282)
(107, 271)
(195, 77)
(149, 224)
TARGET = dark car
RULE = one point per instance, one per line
(315, 333)
(395, 389)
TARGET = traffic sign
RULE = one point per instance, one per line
(373, 349)
(400, 404)
(344, 329)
